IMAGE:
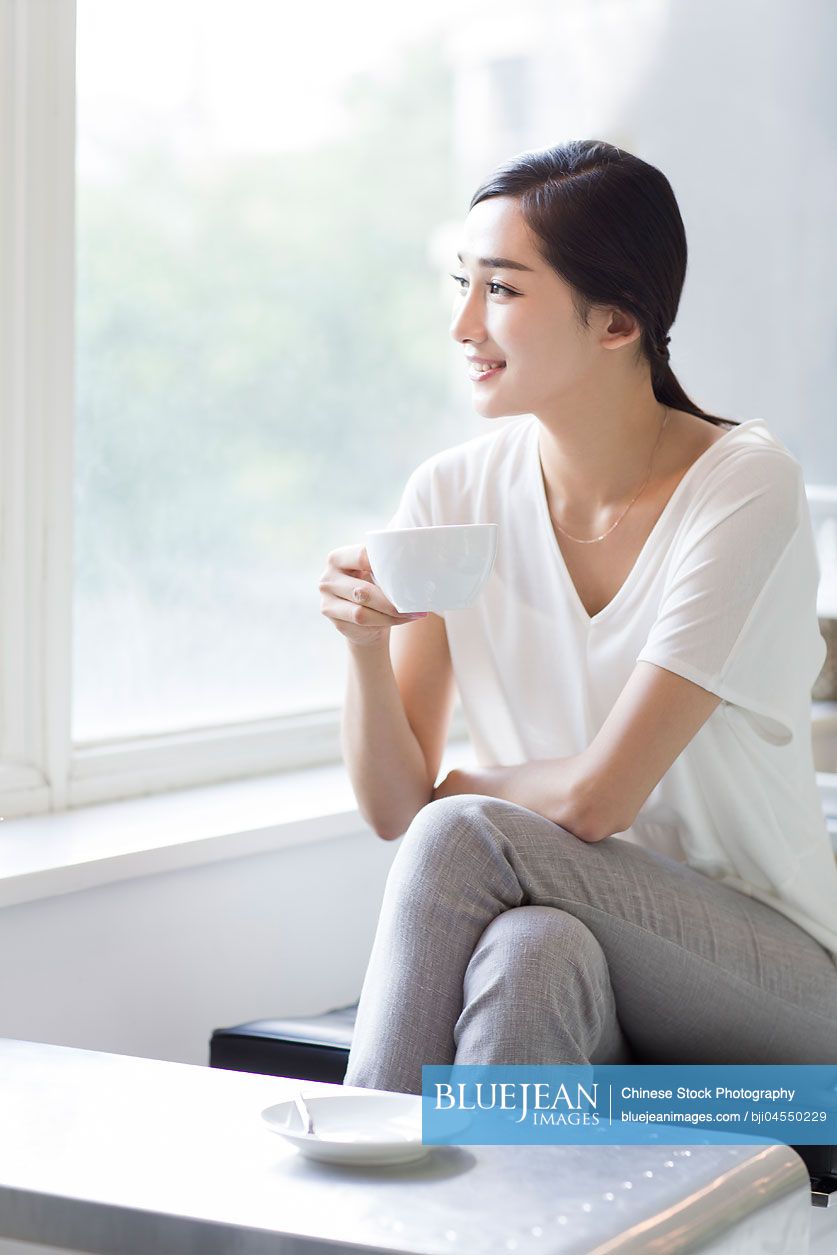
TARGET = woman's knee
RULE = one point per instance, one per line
(534, 946)
(449, 829)
(460, 808)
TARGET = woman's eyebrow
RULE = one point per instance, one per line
(499, 263)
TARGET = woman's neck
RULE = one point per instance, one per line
(594, 465)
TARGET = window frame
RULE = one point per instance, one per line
(40, 768)
(37, 222)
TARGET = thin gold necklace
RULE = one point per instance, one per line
(630, 503)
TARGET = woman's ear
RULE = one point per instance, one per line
(620, 329)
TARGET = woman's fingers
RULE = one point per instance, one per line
(351, 596)
(364, 602)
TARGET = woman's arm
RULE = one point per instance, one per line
(384, 759)
(600, 792)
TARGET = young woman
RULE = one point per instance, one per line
(639, 870)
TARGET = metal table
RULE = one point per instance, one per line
(126, 1156)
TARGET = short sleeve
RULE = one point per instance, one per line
(414, 508)
(738, 610)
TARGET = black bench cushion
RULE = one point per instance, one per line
(312, 1048)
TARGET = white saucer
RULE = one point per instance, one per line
(373, 1128)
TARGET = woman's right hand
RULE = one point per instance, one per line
(353, 601)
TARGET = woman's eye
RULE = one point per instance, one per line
(461, 280)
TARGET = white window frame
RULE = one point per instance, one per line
(40, 770)
(36, 396)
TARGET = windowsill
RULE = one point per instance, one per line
(43, 856)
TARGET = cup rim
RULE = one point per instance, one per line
(434, 527)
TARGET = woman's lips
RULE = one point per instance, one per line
(476, 376)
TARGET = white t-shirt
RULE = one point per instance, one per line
(722, 593)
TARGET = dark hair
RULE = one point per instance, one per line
(609, 225)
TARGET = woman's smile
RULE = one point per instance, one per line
(477, 373)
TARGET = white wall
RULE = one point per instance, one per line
(150, 966)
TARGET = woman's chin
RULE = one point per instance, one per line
(490, 407)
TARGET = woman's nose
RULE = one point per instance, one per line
(468, 322)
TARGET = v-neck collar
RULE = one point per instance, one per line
(635, 571)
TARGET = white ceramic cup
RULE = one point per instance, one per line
(432, 568)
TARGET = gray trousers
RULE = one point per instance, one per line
(503, 938)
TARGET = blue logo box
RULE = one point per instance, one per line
(619, 1104)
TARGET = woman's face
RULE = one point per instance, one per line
(522, 317)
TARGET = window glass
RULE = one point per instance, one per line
(261, 338)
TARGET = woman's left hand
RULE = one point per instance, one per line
(485, 780)
(545, 786)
